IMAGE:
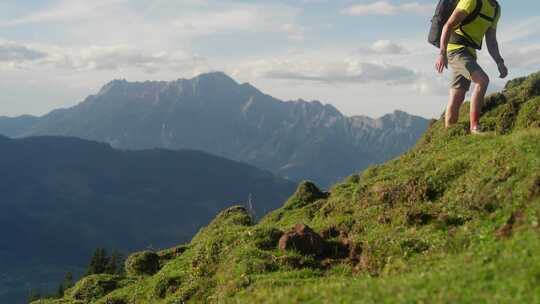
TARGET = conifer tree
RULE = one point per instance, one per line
(115, 263)
(99, 262)
(34, 295)
(60, 291)
(68, 280)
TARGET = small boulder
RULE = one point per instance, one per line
(142, 263)
(304, 240)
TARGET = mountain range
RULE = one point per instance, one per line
(298, 140)
(63, 197)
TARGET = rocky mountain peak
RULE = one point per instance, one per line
(214, 113)
(213, 82)
(215, 77)
(112, 85)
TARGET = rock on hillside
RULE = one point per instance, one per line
(455, 220)
(213, 113)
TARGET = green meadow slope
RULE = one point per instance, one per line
(455, 220)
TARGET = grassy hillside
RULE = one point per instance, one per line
(454, 220)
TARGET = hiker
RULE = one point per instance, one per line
(460, 37)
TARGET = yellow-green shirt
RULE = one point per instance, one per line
(478, 28)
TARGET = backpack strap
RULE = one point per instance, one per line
(475, 13)
(494, 18)
(497, 10)
(466, 39)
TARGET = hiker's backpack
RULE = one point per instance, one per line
(444, 10)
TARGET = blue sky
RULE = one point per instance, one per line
(365, 57)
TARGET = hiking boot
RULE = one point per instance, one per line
(477, 131)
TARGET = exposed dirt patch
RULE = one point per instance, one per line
(410, 192)
(369, 263)
(418, 218)
(446, 220)
(167, 286)
(172, 253)
(297, 262)
(384, 219)
(267, 238)
(344, 248)
(414, 246)
(507, 229)
(534, 188)
(329, 233)
(303, 239)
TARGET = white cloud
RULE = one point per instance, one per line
(359, 73)
(212, 22)
(249, 18)
(189, 18)
(525, 57)
(314, 1)
(121, 57)
(388, 9)
(16, 53)
(383, 47)
(65, 10)
(294, 31)
(113, 57)
(431, 86)
(325, 67)
(523, 29)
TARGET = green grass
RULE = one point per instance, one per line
(455, 220)
(493, 272)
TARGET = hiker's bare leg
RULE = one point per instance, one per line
(481, 81)
(457, 96)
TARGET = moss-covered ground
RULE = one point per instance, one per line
(455, 220)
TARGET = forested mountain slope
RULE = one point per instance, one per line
(60, 198)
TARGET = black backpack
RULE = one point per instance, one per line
(444, 10)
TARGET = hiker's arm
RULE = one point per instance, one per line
(454, 21)
(493, 49)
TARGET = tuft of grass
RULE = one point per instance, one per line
(142, 263)
(529, 116)
(306, 193)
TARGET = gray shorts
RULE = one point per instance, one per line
(463, 64)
